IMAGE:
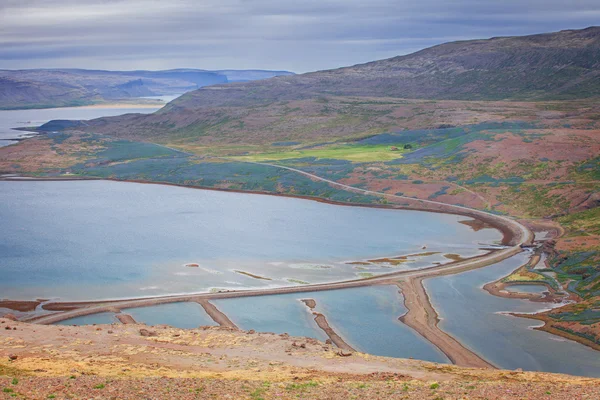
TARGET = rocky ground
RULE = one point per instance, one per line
(140, 362)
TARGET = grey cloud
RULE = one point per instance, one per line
(294, 35)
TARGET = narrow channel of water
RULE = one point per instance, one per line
(282, 313)
(180, 315)
(367, 318)
(94, 319)
(475, 318)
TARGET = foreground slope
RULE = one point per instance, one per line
(135, 361)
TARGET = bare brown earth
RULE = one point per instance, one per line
(216, 314)
(321, 321)
(116, 361)
(23, 306)
(499, 289)
(126, 319)
(335, 338)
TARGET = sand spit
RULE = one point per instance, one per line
(321, 321)
(23, 306)
(421, 315)
(216, 314)
(423, 318)
(126, 319)
(252, 275)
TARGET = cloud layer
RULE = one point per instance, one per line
(268, 34)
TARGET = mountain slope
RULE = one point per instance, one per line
(59, 87)
(17, 93)
(558, 65)
(367, 98)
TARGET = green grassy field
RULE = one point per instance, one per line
(355, 153)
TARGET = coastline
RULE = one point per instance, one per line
(496, 288)
(123, 103)
(425, 324)
(547, 327)
(513, 232)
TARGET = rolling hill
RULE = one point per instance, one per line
(41, 88)
(361, 99)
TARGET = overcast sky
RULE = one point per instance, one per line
(298, 35)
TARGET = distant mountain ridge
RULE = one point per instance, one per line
(558, 65)
(39, 88)
(365, 98)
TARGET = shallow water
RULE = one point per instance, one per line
(474, 317)
(367, 318)
(94, 319)
(180, 315)
(10, 119)
(103, 239)
(283, 313)
(527, 288)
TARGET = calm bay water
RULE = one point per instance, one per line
(10, 119)
(94, 319)
(476, 319)
(278, 314)
(367, 318)
(179, 315)
(102, 239)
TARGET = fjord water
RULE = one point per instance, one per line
(93, 319)
(282, 313)
(102, 239)
(367, 318)
(180, 315)
(478, 320)
(10, 119)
